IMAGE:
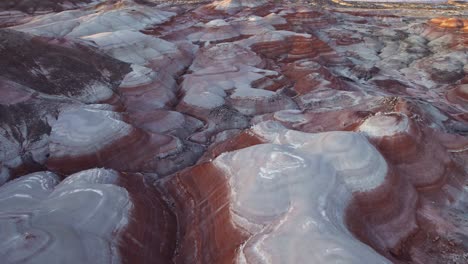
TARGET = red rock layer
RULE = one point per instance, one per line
(149, 236)
(406, 219)
(136, 152)
(241, 140)
(309, 75)
(206, 233)
(458, 95)
(307, 21)
(296, 48)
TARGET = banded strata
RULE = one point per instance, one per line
(233, 131)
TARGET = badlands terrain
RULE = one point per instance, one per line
(234, 131)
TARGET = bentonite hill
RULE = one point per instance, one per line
(235, 131)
